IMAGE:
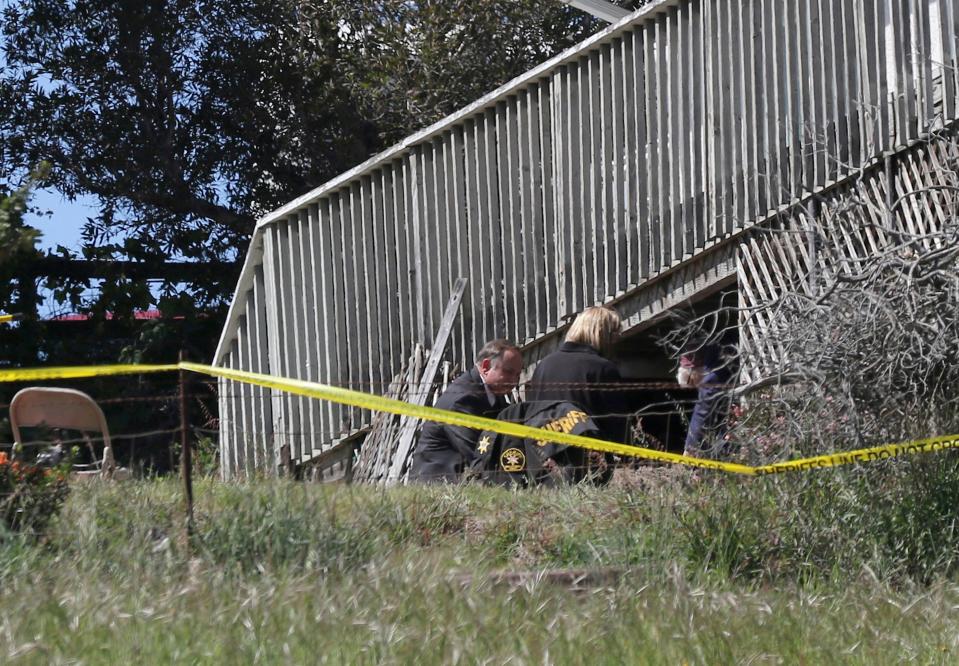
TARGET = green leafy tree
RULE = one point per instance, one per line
(185, 119)
(19, 342)
(16, 238)
(17, 250)
(188, 119)
(412, 63)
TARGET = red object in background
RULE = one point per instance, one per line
(139, 315)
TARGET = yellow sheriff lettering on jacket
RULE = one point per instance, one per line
(564, 424)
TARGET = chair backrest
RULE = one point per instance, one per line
(59, 408)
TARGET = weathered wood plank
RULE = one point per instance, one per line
(420, 395)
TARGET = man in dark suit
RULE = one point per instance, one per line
(443, 450)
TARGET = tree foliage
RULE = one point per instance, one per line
(17, 250)
(17, 242)
(16, 238)
(412, 63)
(185, 119)
(188, 119)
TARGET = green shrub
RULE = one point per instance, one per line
(29, 495)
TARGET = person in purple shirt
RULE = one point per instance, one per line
(709, 374)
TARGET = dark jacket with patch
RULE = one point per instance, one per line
(508, 460)
(579, 374)
(443, 450)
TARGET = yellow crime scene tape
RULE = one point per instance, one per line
(79, 372)
(884, 452)
(381, 404)
(378, 403)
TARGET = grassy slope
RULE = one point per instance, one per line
(708, 571)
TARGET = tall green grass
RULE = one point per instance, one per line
(897, 519)
(833, 566)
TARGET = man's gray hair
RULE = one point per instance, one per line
(494, 350)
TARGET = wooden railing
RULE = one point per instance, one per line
(575, 184)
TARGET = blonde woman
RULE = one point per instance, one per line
(580, 372)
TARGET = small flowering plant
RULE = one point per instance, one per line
(30, 495)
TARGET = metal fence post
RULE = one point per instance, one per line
(186, 463)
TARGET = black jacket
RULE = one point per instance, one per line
(444, 450)
(581, 375)
(508, 460)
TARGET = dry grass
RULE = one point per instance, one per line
(668, 571)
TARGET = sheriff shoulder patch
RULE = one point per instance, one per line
(512, 460)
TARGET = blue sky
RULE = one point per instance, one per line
(61, 227)
(66, 219)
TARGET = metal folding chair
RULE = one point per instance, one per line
(67, 409)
